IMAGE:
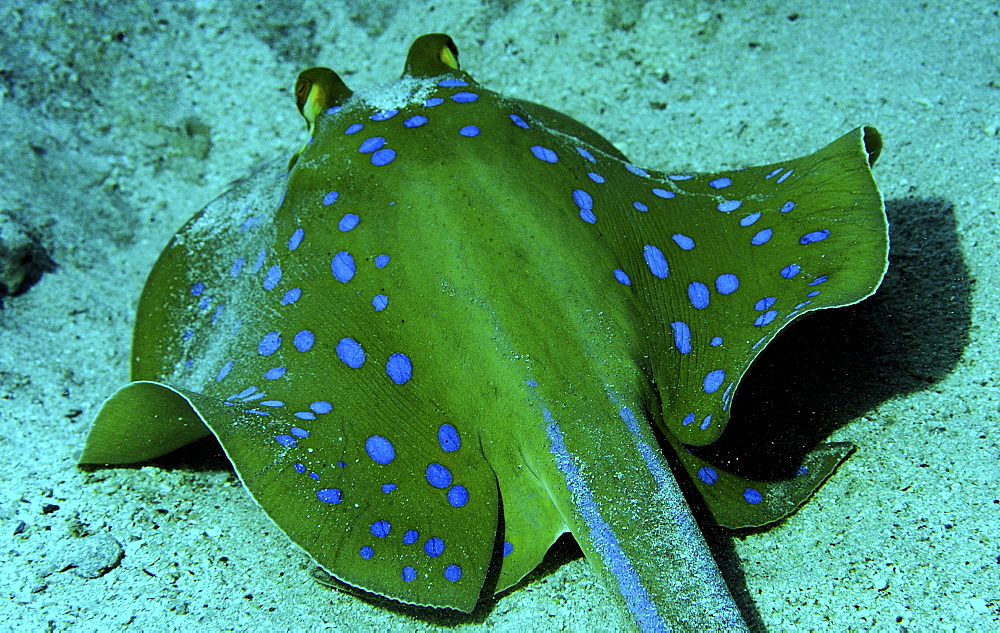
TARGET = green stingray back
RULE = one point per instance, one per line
(445, 336)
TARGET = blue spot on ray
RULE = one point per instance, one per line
(348, 222)
(438, 476)
(766, 318)
(383, 157)
(713, 380)
(329, 495)
(304, 340)
(434, 547)
(224, 371)
(384, 115)
(343, 266)
(815, 236)
(519, 122)
(655, 260)
(295, 239)
(321, 407)
(272, 277)
(682, 336)
(351, 353)
(765, 303)
(457, 496)
(399, 368)
(762, 237)
(544, 154)
(685, 242)
(369, 145)
(790, 271)
(727, 283)
(708, 475)
(698, 294)
(448, 438)
(380, 449)
(269, 344)
(381, 529)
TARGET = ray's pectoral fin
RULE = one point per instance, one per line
(119, 436)
(532, 523)
(358, 502)
(768, 245)
(738, 502)
(756, 249)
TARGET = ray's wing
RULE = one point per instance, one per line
(719, 263)
(330, 420)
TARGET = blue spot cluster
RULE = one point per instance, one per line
(318, 407)
(382, 451)
(290, 439)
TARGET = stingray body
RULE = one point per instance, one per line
(444, 337)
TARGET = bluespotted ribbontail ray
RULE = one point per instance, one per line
(448, 339)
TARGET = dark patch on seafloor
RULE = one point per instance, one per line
(836, 365)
